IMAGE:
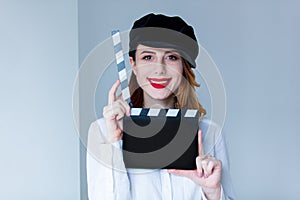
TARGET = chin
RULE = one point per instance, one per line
(160, 94)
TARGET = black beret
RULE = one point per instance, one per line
(165, 32)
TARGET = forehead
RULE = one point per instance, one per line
(141, 48)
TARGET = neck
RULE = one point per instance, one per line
(149, 102)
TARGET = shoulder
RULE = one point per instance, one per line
(209, 127)
(97, 129)
(98, 124)
(212, 135)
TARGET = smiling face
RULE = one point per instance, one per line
(158, 71)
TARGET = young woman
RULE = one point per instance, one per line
(162, 54)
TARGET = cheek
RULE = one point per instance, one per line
(179, 79)
(178, 76)
(143, 72)
(180, 70)
(141, 76)
(177, 73)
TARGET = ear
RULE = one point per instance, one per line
(133, 66)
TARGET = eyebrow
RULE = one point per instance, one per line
(147, 52)
(171, 51)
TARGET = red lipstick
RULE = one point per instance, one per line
(159, 83)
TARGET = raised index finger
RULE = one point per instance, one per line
(112, 92)
(200, 146)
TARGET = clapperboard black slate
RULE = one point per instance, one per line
(156, 138)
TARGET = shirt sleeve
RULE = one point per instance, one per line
(214, 136)
(222, 195)
(221, 153)
(106, 174)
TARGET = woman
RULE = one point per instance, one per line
(162, 54)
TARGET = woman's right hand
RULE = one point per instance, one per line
(114, 113)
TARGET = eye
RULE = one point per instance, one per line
(148, 57)
(172, 57)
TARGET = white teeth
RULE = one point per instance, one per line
(159, 82)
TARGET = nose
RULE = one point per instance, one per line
(160, 67)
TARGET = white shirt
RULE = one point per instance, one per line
(108, 178)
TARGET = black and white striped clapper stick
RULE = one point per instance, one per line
(121, 65)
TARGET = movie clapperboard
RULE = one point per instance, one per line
(156, 138)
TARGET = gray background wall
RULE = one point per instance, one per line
(256, 46)
(39, 147)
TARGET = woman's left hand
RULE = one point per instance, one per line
(207, 174)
